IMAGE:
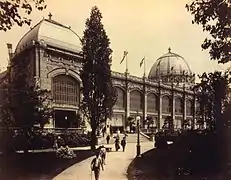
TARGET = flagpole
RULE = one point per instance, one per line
(144, 66)
(126, 63)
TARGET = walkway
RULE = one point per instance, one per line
(115, 169)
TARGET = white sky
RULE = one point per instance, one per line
(143, 28)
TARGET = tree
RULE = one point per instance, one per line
(98, 92)
(215, 17)
(7, 117)
(30, 105)
(18, 11)
(212, 94)
(26, 104)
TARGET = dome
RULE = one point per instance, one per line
(170, 64)
(51, 33)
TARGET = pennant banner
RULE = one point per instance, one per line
(125, 54)
(142, 61)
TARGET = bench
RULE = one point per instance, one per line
(108, 149)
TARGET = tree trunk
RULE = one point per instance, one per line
(93, 138)
(26, 134)
(93, 133)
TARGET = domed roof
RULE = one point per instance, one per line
(52, 33)
(169, 64)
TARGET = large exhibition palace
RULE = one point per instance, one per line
(53, 51)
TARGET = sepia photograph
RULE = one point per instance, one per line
(115, 90)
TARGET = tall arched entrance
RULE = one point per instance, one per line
(66, 99)
(118, 117)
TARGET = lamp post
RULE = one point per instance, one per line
(138, 136)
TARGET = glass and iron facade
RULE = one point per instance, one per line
(57, 63)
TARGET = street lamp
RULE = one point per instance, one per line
(138, 136)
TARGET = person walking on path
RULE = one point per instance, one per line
(103, 154)
(117, 144)
(123, 143)
(108, 138)
(104, 131)
(96, 163)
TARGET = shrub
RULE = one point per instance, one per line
(65, 153)
(73, 139)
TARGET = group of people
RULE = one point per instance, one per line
(99, 161)
(123, 143)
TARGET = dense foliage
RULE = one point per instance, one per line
(98, 92)
(25, 104)
(212, 96)
(17, 11)
(215, 17)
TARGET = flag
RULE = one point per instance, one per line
(125, 54)
(142, 61)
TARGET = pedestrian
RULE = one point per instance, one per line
(103, 154)
(123, 143)
(104, 131)
(96, 163)
(111, 131)
(118, 133)
(108, 138)
(117, 144)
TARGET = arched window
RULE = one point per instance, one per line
(65, 90)
(152, 103)
(135, 100)
(189, 108)
(166, 105)
(120, 102)
(179, 106)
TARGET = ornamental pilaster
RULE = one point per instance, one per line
(194, 111)
(159, 118)
(127, 106)
(173, 104)
(184, 107)
(144, 99)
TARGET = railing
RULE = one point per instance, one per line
(47, 130)
(149, 137)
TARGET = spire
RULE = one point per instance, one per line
(49, 15)
(169, 50)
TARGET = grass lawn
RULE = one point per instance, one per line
(163, 164)
(37, 166)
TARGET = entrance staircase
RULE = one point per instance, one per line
(132, 138)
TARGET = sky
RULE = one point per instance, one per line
(142, 28)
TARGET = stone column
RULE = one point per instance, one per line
(194, 111)
(145, 105)
(144, 101)
(127, 105)
(159, 108)
(37, 60)
(184, 112)
(127, 98)
(173, 106)
(184, 107)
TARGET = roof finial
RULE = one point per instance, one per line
(169, 49)
(50, 15)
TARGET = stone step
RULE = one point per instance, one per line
(132, 138)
